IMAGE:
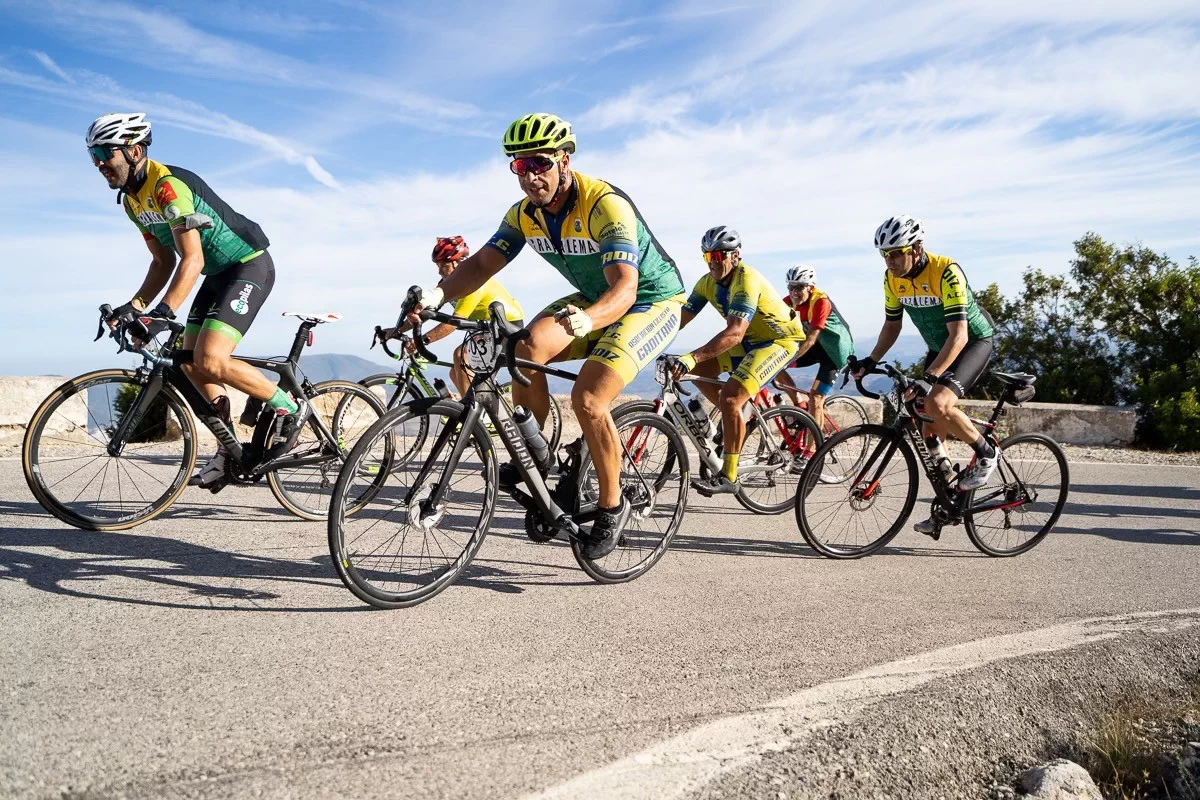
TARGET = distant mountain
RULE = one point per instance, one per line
(338, 366)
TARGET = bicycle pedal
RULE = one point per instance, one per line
(218, 486)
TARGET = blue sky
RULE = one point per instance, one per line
(355, 132)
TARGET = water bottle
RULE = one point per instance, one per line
(439, 386)
(696, 410)
(946, 467)
(532, 433)
(777, 399)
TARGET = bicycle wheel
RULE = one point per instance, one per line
(387, 383)
(654, 478)
(774, 454)
(859, 516)
(347, 410)
(68, 467)
(843, 412)
(1034, 483)
(397, 552)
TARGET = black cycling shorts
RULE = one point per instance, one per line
(827, 370)
(229, 301)
(968, 368)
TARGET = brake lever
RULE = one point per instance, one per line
(105, 312)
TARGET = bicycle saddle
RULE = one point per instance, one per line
(1018, 379)
(314, 318)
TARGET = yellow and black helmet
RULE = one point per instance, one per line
(539, 132)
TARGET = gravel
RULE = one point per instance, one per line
(970, 736)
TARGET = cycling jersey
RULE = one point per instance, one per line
(820, 314)
(172, 198)
(475, 305)
(598, 227)
(937, 294)
(749, 297)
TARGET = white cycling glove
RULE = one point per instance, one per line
(578, 322)
(432, 298)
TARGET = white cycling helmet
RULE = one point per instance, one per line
(801, 274)
(899, 231)
(119, 130)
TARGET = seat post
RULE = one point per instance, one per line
(300, 341)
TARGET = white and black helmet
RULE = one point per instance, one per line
(720, 238)
(899, 231)
(119, 130)
(802, 274)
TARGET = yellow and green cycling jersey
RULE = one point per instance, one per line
(476, 304)
(598, 227)
(937, 294)
(749, 297)
(172, 198)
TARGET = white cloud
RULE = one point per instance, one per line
(47, 62)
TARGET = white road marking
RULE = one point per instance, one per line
(681, 765)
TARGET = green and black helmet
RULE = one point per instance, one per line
(539, 132)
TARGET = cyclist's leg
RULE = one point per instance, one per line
(460, 374)
(623, 349)
(235, 302)
(827, 372)
(548, 342)
(761, 364)
(711, 369)
(942, 402)
(785, 382)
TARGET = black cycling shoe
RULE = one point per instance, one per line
(510, 476)
(606, 531)
(715, 484)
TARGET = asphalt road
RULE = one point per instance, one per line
(213, 653)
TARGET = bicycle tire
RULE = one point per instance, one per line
(353, 571)
(637, 552)
(797, 449)
(305, 490)
(815, 498)
(36, 445)
(1008, 470)
(854, 413)
(414, 393)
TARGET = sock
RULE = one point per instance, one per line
(729, 467)
(982, 448)
(281, 402)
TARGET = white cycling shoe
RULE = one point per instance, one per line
(980, 473)
(211, 472)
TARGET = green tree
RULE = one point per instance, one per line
(1147, 305)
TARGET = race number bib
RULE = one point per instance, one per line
(480, 351)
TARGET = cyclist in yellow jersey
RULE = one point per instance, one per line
(623, 314)
(760, 339)
(448, 253)
(933, 291)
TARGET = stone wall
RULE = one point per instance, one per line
(1070, 424)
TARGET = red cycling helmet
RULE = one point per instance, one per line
(450, 248)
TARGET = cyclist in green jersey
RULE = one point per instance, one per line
(177, 213)
(934, 292)
(624, 311)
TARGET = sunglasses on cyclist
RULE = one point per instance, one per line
(715, 256)
(101, 152)
(896, 251)
(535, 165)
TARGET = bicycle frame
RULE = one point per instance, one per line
(166, 368)
(951, 499)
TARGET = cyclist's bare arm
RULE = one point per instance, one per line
(191, 261)
(616, 302)
(887, 337)
(735, 331)
(685, 317)
(472, 273)
(955, 342)
(809, 340)
(440, 332)
(162, 264)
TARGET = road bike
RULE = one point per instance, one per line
(409, 382)
(841, 411)
(860, 516)
(114, 448)
(779, 440)
(422, 530)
